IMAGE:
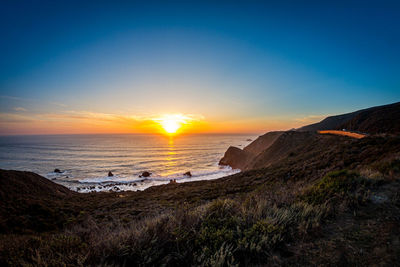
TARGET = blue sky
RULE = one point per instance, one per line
(242, 66)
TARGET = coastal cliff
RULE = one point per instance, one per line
(274, 146)
(242, 158)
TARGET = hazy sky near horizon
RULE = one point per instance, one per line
(112, 66)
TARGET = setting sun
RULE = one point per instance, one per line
(170, 125)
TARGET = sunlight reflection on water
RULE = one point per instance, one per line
(89, 158)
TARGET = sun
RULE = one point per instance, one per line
(170, 125)
(174, 124)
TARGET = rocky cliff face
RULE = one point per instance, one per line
(240, 159)
(266, 150)
(235, 157)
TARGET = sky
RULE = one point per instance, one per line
(226, 66)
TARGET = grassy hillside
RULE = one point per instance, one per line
(333, 200)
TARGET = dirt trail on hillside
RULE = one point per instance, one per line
(343, 133)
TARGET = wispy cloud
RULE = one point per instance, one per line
(88, 116)
(17, 98)
(182, 118)
(31, 100)
(20, 109)
(311, 118)
(59, 104)
(15, 118)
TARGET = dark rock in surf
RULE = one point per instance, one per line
(57, 171)
(110, 174)
(145, 174)
(188, 174)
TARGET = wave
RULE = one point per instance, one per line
(135, 183)
(112, 179)
(57, 175)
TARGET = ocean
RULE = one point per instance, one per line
(85, 160)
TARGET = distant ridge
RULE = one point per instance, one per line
(380, 119)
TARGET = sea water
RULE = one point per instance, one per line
(85, 160)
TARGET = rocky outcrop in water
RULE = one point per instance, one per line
(145, 174)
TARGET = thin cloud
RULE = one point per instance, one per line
(20, 109)
(311, 118)
(17, 98)
(15, 118)
(59, 104)
(72, 115)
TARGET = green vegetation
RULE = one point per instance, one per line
(333, 185)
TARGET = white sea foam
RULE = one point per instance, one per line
(112, 179)
(116, 183)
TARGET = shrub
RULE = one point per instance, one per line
(333, 184)
(388, 168)
(219, 226)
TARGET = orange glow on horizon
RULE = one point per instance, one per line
(165, 124)
(172, 124)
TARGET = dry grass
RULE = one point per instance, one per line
(255, 229)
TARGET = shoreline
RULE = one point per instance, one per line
(135, 183)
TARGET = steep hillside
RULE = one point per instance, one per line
(380, 119)
(14, 184)
(283, 146)
(329, 123)
(383, 119)
(262, 142)
(30, 202)
(273, 146)
(239, 159)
